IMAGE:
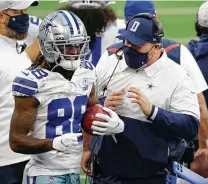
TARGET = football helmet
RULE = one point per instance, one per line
(63, 39)
(88, 3)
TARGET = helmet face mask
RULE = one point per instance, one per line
(63, 40)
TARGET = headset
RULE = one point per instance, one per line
(158, 32)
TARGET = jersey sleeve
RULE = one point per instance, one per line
(24, 85)
(189, 64)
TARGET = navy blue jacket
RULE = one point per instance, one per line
(199, 50)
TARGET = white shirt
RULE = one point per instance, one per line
(11, 64)
(172, 89)
(188, 62)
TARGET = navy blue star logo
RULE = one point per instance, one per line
(49, 24)
(150, 86)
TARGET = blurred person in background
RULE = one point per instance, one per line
(14, 25)
(199, 50)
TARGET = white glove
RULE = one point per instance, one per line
(67, 143)
(113, 124)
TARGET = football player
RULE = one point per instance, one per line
(50, 100)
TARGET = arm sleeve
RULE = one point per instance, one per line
(171, 125)
(24, 85)
(182, 119)
(190, 65)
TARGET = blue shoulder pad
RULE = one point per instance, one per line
(167, 42)
(173, 49)
(114, 48)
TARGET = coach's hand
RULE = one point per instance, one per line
(139, 98)
(86, 165)
(67, 143)
(113, 101)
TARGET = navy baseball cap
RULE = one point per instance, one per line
(139, 31)
(133, 7)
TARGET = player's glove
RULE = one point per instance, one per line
(113, 124)
(67, 143)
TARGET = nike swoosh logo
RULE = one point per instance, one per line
(26, 73)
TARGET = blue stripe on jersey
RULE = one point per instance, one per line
(75, 20)
(23, 90)
(28, 179)
(34, 179)
(26, 82)
(96, 51)
(68, 22)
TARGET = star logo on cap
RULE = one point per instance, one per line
(49, 24)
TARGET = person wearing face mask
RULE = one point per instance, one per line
(153, 96)
(14, 24)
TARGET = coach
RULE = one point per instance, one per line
(155, 98)
(14, 24)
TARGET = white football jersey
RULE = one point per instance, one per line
(33, 29)
(62, 105)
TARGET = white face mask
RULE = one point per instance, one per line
(70, 65)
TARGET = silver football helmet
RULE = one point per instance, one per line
(63, 39)
(88, 3)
